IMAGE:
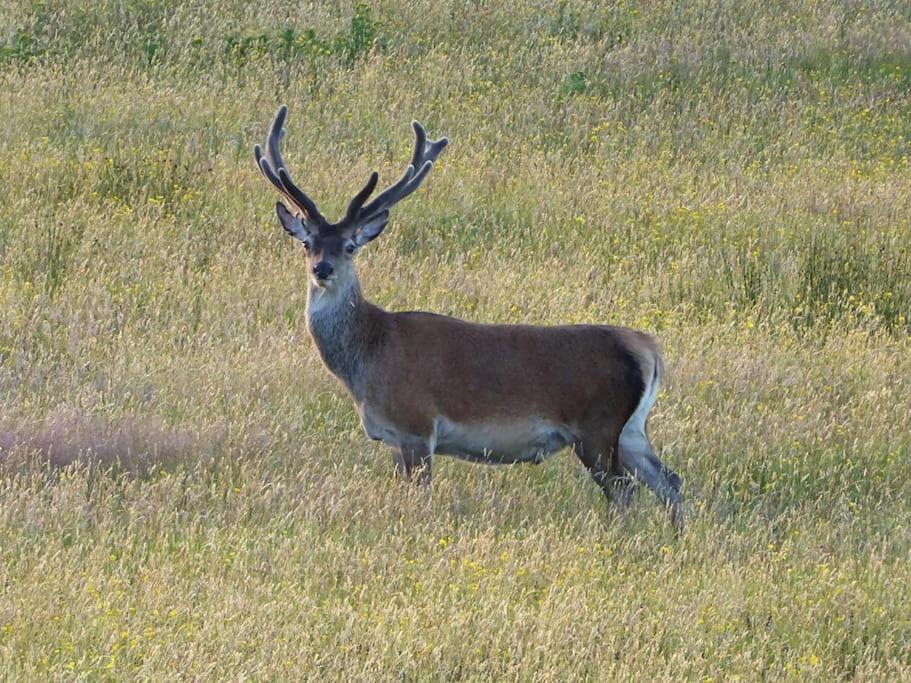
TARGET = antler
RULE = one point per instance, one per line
(425, 153)
(273, 168)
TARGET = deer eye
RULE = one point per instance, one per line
(349, 248)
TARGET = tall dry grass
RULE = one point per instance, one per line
(733, 178)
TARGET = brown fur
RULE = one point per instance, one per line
(427, 365)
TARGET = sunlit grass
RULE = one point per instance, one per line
(184, 490)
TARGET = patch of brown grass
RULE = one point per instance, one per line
(134, 443)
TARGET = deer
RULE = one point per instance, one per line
(427, 384)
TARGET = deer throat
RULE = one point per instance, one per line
(337, 320)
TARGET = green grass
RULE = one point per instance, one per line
(186, 492)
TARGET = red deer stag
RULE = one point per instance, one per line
(426, 383)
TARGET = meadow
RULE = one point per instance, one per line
(185, 492)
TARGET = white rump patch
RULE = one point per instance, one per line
(632, 438)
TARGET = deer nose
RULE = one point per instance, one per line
(322, 270)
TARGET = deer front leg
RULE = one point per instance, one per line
(413, 461)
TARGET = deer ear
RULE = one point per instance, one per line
(293, 224)
(372, 229)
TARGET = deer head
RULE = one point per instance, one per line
(331, 247)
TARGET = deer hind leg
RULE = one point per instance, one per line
(600, 455)
(413, 461)
(638, 458)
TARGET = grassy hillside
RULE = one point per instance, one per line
(185, 490)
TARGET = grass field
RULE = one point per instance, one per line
(186, 493)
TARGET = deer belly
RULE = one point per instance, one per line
(501, 442)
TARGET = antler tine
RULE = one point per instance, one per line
(273, 168)
(425, 153)
(266, 164)
(420, 144)
(357, 202)
(266, 169)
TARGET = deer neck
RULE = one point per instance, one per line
(344, 328)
